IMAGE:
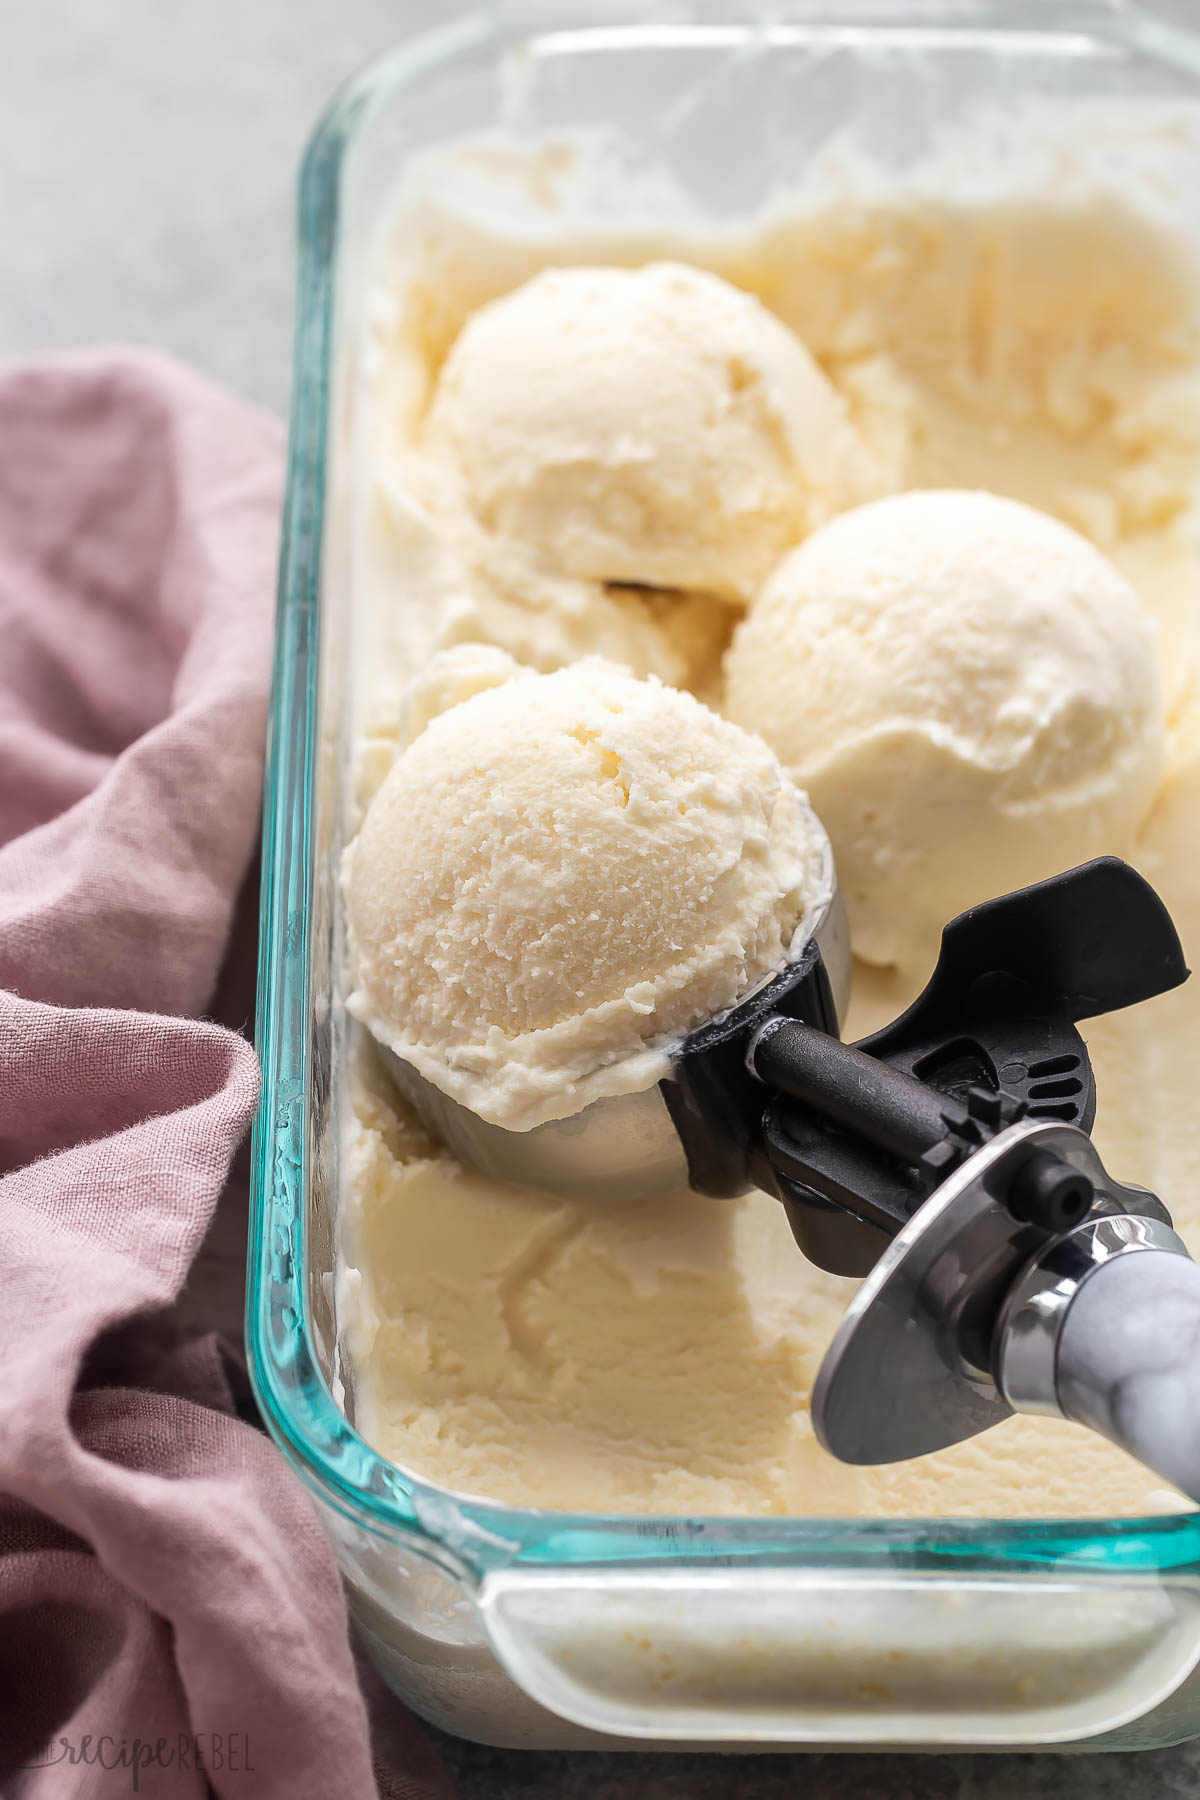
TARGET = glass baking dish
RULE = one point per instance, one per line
(548, 1629)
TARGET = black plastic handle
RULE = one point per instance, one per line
(852, 1138)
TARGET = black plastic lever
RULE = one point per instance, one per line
(852, 1138)
(861, 1093)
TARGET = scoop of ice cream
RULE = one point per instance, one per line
(560, 876)
(450, 677)
(650, 425)
(969, 692)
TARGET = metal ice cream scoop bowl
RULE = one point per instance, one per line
(947, 1159)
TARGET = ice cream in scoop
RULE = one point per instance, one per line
(970, 693)
(562, 875)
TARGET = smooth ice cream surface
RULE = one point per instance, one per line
(1029, 332)
(562, 875)
(969, 690)
(651, 425)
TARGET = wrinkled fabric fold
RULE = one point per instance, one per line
(162, 1574)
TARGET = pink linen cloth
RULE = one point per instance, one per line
(162, 1575)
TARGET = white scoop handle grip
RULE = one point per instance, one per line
(1128, 1361)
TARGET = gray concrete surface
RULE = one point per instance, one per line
(147, 160)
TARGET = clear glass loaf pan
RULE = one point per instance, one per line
(546, 1629)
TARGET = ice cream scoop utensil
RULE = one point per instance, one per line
(1024, 1277)
(1008, 1271)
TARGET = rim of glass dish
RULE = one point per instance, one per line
(471, 1536)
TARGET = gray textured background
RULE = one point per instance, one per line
(148, 153)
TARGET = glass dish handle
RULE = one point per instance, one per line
(806, 1656)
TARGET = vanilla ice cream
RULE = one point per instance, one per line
(1030, 332)
(650, 425)
(968, 689)
(450, 677)
(563, 874)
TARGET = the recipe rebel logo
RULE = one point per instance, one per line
(206, 1752)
